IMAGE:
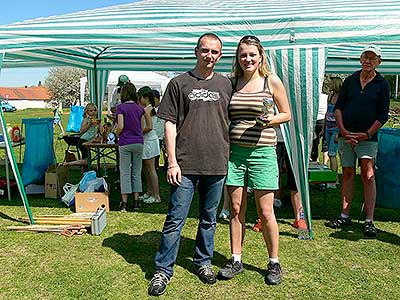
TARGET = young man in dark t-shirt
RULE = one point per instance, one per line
(195, 110)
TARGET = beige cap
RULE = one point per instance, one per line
(372, 48)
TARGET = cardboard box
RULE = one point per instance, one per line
(89, 202)
(54, 180)
(51, 185)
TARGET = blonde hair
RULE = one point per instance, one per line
(336, 84)
(251, 40)
(88, 107)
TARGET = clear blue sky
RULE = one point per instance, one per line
(19, 10)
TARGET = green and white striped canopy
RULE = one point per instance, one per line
(302, 38)
(160, 34)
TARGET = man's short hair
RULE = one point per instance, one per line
(210, 35)
(372, 48)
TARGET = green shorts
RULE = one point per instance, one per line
(255, 167)
(349, 154)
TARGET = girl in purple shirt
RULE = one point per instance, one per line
(129, 129)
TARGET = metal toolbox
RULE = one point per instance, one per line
(98, 221)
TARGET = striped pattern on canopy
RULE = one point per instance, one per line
(346, 59)
(97, 88)
(158, 34)
(302, 73)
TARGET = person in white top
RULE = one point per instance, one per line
(151, 148)
(158, 126)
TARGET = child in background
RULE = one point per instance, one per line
(151, 147)
(58, 112)
(331, 128)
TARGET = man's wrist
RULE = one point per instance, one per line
(172, 167)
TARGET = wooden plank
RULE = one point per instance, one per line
(85, 215)
(77, 229)
(60, 222)
(44, 228)
(63, 219)
(36, 226)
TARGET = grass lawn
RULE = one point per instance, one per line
(118, 264)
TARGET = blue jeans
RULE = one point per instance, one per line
(210, 192)
(333, 145)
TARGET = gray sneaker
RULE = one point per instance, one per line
(206, 274)
(230, 269)
(158, 284)
(274, 274)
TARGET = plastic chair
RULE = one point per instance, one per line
(74, 123)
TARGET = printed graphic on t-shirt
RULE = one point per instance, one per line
(203, 95)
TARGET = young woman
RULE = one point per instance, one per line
(252, 160)
(129, 128)
(151, 148)
(331, 128)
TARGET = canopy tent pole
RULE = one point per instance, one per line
(397, 87)
(11, 156)
(97, 87)
(82, 87)
(14, 167)
(301, 71)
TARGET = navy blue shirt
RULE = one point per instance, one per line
(362, 107)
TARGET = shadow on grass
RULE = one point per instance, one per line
(354, 233)
(7, 217)
(34, 201)
(141, 250)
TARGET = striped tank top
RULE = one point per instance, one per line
(244, 109)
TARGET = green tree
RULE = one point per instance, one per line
(392, 84)
(63, 84)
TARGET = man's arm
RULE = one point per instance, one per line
(382, 116)
(339, 121)
(174, 175)
(383, 107)
(373, 129)
(349, 136)
(339, 107)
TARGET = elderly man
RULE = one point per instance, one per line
(361, 109)
(195, 110)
